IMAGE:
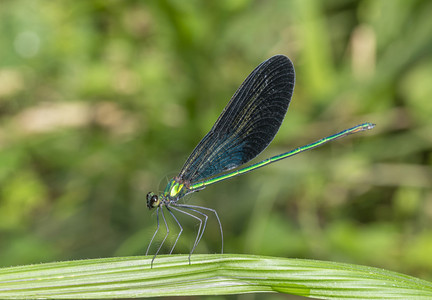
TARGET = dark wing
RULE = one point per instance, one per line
(248, 123)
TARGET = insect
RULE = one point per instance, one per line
(245, 128)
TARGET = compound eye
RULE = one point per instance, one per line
(152, 200)
(149, 195)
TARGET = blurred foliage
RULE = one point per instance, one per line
(102, 101)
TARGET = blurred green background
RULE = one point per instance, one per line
(102, 102)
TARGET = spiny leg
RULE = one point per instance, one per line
(199, 228)
(166, 235)
(178, 223)
(209, 209)
(200, 235)
(154, 234)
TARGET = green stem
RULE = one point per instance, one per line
(132, 277)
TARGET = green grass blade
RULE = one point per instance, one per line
(130, 277)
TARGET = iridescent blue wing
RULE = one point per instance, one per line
(248, 123)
